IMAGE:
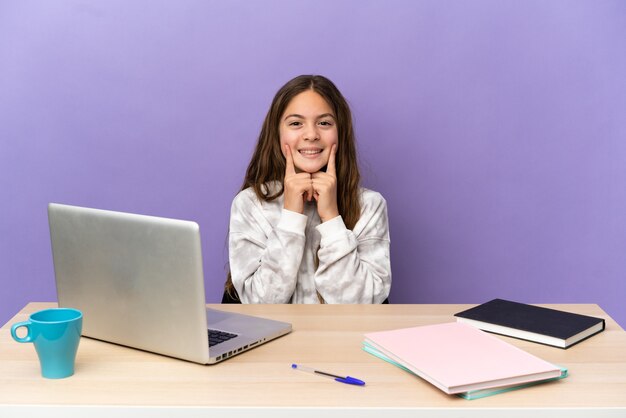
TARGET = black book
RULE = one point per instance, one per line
(532, 323)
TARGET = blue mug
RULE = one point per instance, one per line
(55, 334)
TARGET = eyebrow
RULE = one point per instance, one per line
(295, 115)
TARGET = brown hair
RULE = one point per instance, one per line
(268, 163)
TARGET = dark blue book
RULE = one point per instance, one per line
(533, 323)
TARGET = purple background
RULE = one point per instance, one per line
(495, 129)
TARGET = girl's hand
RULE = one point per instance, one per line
(325, 189)
(298, 186)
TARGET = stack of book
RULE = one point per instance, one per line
(460, 359)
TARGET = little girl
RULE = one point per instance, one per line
(302, 230)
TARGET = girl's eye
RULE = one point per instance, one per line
(295, 123)
(326, 123)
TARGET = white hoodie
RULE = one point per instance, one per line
(272, 252)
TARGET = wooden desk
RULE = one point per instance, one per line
(261, 383)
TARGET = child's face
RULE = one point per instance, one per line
(309, 127)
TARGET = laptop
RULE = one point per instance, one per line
(139, 282)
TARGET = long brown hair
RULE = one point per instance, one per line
(268, 163)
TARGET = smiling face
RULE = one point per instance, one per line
(309, 127)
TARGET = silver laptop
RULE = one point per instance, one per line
(138, 281)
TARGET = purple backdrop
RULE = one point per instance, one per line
(495, 129)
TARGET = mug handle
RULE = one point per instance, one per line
(28, 338)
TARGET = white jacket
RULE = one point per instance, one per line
(272, 252)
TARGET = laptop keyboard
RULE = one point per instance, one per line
(216, 337)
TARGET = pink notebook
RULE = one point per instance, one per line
(457, 357)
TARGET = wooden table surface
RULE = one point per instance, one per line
(327, 337)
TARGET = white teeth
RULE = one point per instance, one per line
(310, 151)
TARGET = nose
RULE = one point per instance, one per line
(311, 133)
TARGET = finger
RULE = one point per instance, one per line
(306, 191)
(290, 168)
(323, 180)
(330, 168)
(311, 191)
(302, 183)
(307, 194)
(320, 182)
